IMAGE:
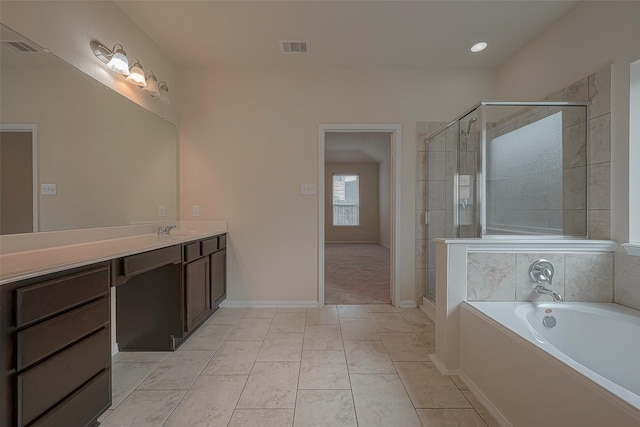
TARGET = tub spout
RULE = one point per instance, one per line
(541, 290)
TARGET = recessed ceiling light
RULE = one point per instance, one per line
(478, 47)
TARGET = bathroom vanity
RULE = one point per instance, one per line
(55, 331)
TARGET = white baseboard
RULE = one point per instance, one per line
(429, 308)
(269, 304)
(114, 349)
(440, 366)
(495, 413)
(351, 242)
(409, 303)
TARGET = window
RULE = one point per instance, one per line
(346, 200)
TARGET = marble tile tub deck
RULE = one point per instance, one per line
(334, 366)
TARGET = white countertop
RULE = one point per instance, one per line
(32, 263)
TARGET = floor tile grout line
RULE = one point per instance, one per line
(191, 385)
(137, 385)
(344, 349)
(244, 386)
(404, 386)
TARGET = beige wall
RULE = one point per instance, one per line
(368, 229)
(248, 139)
(590, 36)
(67, 28)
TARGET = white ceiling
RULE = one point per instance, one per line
(342, 34)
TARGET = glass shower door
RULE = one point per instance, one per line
(441, 166)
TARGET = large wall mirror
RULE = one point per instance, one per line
(74, 153)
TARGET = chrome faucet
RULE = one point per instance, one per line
(541, 271)
(164, 230)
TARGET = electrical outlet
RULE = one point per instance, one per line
(162, 210)
(195, 210)
(307, 189)
(48, 189)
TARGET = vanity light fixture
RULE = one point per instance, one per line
(478, 47)
(116, 58)
(136, 74)
(152, 85)
(164, 93)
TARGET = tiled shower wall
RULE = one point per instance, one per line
(596, 88)
(627, 280)
(578, 277)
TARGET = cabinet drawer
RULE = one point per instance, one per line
(42, 386)
(45, 299)
(146, 261)
(222, 241)
(191, 251)
(209, 246)
(81, 407)
(39, 341)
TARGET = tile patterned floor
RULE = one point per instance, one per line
(335, 366)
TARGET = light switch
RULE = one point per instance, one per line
(195, 210)
(307, 189)
(162, 210)
(48, 189)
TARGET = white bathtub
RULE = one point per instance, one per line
(583, 371)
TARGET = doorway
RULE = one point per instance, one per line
(358, 188)
(18, 179)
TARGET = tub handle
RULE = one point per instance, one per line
(541, 271)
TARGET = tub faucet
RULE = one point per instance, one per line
(164, 230)
(541, 271)
(541, 290)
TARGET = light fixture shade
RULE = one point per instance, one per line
(164, 93)
(136, 74)
(119, 62)
(152, 85)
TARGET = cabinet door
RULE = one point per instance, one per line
(218, 277)
(197, 286)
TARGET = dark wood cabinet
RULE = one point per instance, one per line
(205, 278)
(218, 261)
(55, 338)
(198, 291)
(55, 329)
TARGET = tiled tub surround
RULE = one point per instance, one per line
(587, 379)
(505, 276)
(332, 366)
(497, 270)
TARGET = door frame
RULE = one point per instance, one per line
(394, 197)
(33, 128)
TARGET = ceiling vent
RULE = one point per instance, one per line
(20, 46)
(294, 46)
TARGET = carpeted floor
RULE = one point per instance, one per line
(356, 273)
